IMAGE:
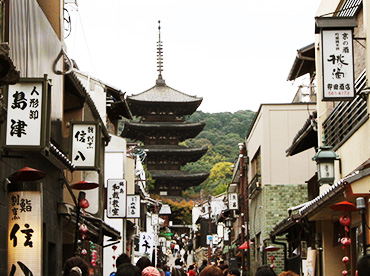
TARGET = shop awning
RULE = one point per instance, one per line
(245, 245)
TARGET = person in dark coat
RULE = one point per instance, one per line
(204, 264)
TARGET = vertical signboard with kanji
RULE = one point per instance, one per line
(233, 201)
(24, 229)
(85, 145)
(116, 198)
(133, 206)
(146, 244)
(337, 64)
(28, 115)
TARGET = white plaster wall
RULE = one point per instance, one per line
(115, 161)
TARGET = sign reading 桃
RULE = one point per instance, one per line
(28, 115)
(85, 137)
(337, 57)
(116, 198)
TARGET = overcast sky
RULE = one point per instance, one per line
(235, 54)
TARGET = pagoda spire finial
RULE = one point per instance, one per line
(160, 80)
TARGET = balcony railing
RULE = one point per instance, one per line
(254, 186)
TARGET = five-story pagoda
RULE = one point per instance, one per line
(161, 128)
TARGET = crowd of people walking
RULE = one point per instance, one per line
(76, 266)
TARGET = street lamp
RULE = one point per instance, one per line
(229, 224)
(324, 158)
(360, 204)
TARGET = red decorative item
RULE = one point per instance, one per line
(345, 220)
(84, 185)
(345, 272)
(344, 206)
(27, 174)
(272, 266)
(345, 241)
(345, 260)
(83, 252)
(114, 247)
(272, 258)
(84, 203)
(83, 228)
(114, 257)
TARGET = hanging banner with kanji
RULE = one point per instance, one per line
(133, 206)
(28, 115)
(146, 244)
(85, 138)
(24, 229)
(337, 65)
(116, 198)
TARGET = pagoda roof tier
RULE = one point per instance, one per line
(162, 97)
(185, 154)
(139, 131)
(177, 180)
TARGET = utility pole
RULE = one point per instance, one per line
(241, 189)
(209, 227)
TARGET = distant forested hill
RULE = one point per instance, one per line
(222, 133)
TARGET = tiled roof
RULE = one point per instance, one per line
(163, 93)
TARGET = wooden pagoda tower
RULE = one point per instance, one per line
(162, 126)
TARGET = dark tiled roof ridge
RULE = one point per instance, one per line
(132, 97)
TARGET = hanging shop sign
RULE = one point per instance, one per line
(24, 228)
(133, 206)
(85, 137)
(28, 118)
(233, 201)
(116, 198)
(146, 243)
(337, 58)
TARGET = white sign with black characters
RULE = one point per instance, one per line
(146, 243)
(337, 63)
(84, 145)
(233, 201)
(116, 198)
(24, 117)
(25, 233)
(133, 206)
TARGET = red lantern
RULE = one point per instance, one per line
(345, 241)
(345, 260)
(83, 228)
(84, 203)
(345, 220)
(345, 272)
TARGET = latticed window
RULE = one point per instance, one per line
(346, 117)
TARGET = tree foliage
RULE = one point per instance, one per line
(222, 133)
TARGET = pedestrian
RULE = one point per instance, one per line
(143, 262)
(128, 269)
(204, 264)
(150, 271)
(176, 249)
(76, 266)
(191, 271)
(211, 270)
(122, 259)
(363, 266)
(233, 271)
(178, 270)
(167, 271)
(265, 270)
(288, 273)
